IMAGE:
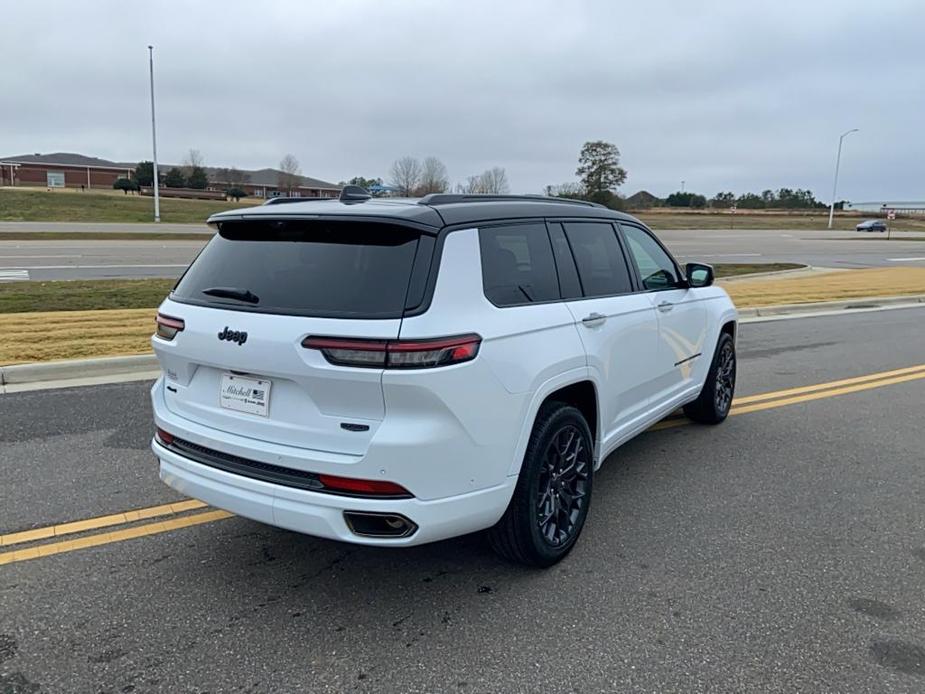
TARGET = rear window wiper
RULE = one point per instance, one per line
(245, 295)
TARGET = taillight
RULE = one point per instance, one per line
(351, 485)
(396, 354)
(168, 327)
(164, 437)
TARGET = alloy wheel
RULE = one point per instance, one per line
(563, 486)
(725, 378)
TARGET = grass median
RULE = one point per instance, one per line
(68, 206)
(42, 321)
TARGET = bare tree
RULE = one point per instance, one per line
(433, 177)
(289, 174)
(195, 170)
(406, 175)
(232, 177)
(564, 190)
(194, 160)
(491, 181)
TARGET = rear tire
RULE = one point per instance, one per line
(553, 492)
(715, 399)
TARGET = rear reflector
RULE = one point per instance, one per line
(396, 354)
(164, 437)
(168, 326)
(364, 487)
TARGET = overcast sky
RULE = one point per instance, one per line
(724, 95)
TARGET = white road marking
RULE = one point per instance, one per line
(723, 255)
(902, 260)
(13, 275)
(90, 267)
(17, 257)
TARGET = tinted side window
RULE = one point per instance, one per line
(601, 265)
(565, 263)
(517, 265)
(656, 268)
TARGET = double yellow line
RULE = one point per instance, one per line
(818, 391)
(127, 518)
(175, 519)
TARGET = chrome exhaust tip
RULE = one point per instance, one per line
(372, 524)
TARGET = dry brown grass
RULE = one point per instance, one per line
(74, 334)
(832, 286)
(52, 335)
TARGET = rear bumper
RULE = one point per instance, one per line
(322, 514)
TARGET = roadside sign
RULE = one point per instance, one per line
(891, 214)
(733, 209)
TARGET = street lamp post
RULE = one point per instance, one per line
(157, 200)
(835, 182)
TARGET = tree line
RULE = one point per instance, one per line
(192, 174)
(411, 177)
(781, 199)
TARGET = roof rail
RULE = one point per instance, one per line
(449, 198)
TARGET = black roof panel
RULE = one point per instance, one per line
(443, 212)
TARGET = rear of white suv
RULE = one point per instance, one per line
(364, 376)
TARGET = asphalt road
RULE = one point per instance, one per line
(781, 551)
(75, 259)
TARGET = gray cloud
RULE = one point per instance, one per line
(723, 95)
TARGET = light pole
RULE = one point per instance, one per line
(157, 200)
(835, 182)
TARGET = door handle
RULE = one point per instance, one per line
(665, 306)
(592, 320)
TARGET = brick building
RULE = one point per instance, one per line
(61, 170)
(68, 170)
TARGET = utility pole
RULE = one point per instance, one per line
(835, 182)
(157, 200)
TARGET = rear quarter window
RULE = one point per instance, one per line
(313, 268)
(517, 265)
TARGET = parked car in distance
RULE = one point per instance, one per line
(394, 372)
(871, 225)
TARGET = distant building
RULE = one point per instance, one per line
(61, 170)
(69, 170)
(642, 200)
(264, 183)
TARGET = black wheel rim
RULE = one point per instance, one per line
(725, 378)
(563, 486)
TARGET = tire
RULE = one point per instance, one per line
(521, 535)
(715, 399)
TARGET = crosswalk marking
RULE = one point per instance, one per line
(13, 275)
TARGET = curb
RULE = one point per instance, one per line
(866, 303)
(19, 374)
(806, 269)
(143, 366)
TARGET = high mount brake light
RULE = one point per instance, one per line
(168, 326)
(396, 354)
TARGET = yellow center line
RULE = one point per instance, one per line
(99, 522)
(778, 398)
(826, 386)
(752, 403)
(807, 397)
(155, 528)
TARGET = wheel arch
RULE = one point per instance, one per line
(577, 388)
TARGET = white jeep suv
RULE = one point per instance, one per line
(394, 372)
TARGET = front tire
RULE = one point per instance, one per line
(715, 399)
(550, 503)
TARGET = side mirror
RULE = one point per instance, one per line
(699, 275)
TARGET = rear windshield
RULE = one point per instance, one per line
(312, 268)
